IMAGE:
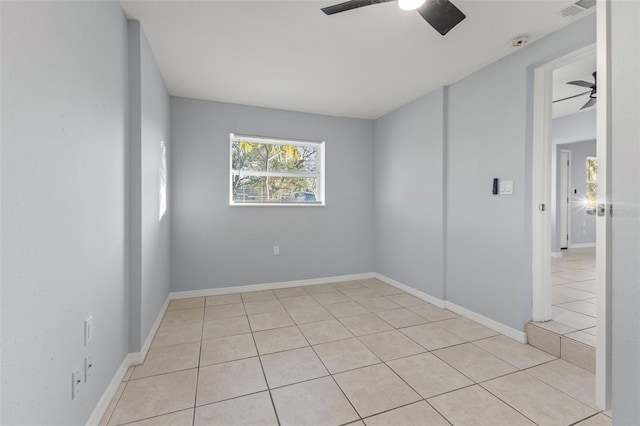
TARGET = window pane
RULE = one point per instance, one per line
(262, 189)
(293, 159)
(249, 156)
(592, 169)
(591, 193)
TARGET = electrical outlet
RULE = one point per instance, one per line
(88, 367)
(88, 330)
(276, 250)
(76, 382)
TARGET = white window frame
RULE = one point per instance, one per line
(319, 176)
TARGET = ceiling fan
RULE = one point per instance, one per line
(592, 93)
(440, 14)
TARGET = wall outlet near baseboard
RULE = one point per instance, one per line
(276, 250)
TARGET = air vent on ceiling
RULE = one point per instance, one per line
(577, 8)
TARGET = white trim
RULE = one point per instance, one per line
(603, 224)
(556, 254)
(541, 191)
(130, 360)
(541, 182)
(417, 293)
(103, 404)
(266, 140)
(517, 335)
(267, 286)
(581, 245)
(137, 358)
(274, 174)
(569, 195)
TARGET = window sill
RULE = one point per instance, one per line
(277, 204)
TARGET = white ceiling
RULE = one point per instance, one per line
(579, 70)
(362, 63)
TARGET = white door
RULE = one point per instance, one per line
(564, 198)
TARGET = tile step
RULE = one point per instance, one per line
(561, 346)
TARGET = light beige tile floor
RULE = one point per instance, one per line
(358, 352)
(573, 293)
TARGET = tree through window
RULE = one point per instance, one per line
(276, 171)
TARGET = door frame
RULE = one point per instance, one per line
(541, 192)
(568, 169)
(541, 180)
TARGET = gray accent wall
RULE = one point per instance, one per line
(148, 233)
(625, 147)
(215, 245)
(409, 194)
(467, 134)
(489, 135)
(64, 140)
(578, 127)
(582, 225)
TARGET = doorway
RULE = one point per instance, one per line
(543, 222)
(565, 164)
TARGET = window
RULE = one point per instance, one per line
(163, 180)
(266, 171)
(592, 179)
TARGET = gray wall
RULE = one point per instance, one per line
(215, 245)
(64, 131)
(408, 210)
(488, 253)
(572, 128)
(577, 127)
(582, 225)
(625, 128)
(149, 236)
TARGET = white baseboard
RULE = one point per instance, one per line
(137, 358)
(517, 335)
(556, 254)
(417, 293)
(581, 245)
(131, 360)
(108, 394)
(267, 286)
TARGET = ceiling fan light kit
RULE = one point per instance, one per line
(442, 15)
(410, 4)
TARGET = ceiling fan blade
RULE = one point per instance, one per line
(571, 97)
(348, 5)
(441, 15)
(581, 83)
(591, 102)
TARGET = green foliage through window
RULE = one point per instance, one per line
(275, 171)
(592, 180)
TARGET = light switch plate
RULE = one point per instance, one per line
(506, 187)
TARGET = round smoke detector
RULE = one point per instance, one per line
(520, 41)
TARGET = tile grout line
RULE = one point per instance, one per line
(264, 375)
(195, 394)
(297, 325)
(332, 378)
